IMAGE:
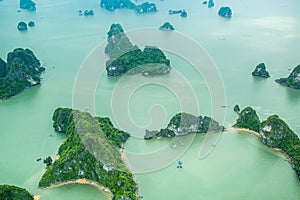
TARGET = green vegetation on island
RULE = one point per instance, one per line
(274, 133)
(22, 70)
(185, 123)
(126, 58)
(91, 152)
(145, 7)
(293, 81)
(248, 119)
(28, 5)
(10, 192)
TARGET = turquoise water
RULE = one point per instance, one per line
(240, 167)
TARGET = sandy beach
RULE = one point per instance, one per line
(259, 135)
(83, 182)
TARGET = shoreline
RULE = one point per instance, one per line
(124, 159)
(81, 181)
(272, 148)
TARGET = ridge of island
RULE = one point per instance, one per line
(126, 58)
(274, 133)
(90, 154)
(22, 70)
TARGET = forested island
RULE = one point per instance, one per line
(21, 70)
(261, 71)
(293, 80)
(10, 192)
(91, 152)
(274, 133)
(145, 7)
(185, 123)
(126, 58)
(167, 27)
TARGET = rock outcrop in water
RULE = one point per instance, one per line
(182, 13)
(183, 124)
(22, 26)
(22, 70)
(260, 71)
(28, 5)
(10, 192)
(112, 5)
(274, 133)
(225, 12)
(166, 27)
(293, 80)
(211, 4)
(31, 24)
(91, 152)
(125, 58)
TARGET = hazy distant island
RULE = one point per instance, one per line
(21, 71)
(28, 5)
(185, 123)
(261, 71)
(91, 154)
(10, 192)
(182, 13)
(293, 80)
(274, 133)
(126, 58)
(166, 27)
(225, 12)
(145, 7)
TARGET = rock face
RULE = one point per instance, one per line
(248, 119)
(260, 71)
(184, 123)
(127, 58)
(27, 4)
(22, 26)
(275, 133)
(91, 151)
(112, 5)
(166, 27)
(22, 70)
(225, 12)
(13, 192)
(293, 81)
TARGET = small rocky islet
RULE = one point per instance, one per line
(293, 80)
(182, 13)
(27, 5)
(112, 5)
(22, 70)
(274, 133)
(185, 123)
(261, 71)
(167, 27)
(126, 58)
(225, 12)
